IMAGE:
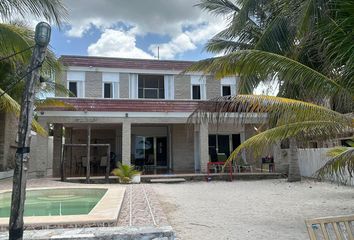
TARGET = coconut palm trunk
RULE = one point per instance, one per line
(294, 169)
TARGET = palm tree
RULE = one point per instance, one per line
(341, 163)
(15, 38)
(289, 31)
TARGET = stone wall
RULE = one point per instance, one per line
(124, 85)
(182, 148)
(213, 88)
(182, 87)
(93, 84)
(8, 144)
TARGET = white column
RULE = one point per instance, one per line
(126, 142)
(203, 147)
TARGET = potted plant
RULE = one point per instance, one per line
(126, 173)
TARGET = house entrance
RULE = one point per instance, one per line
(150, 154)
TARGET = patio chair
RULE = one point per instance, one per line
(323, 228)
(241, 166)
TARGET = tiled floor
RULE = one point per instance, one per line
(141, 207)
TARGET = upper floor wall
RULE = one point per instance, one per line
(144, 82)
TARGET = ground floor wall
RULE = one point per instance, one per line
(188, 147)
(8, 144)
(40, 148)
(183, 158)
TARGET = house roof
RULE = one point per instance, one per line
(128, 63)
(122, 105)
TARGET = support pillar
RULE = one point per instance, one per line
(88, 167)
(203, 147)
(126, 143)
(39, 154)
(57, 149)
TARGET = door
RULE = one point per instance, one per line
(161, 151)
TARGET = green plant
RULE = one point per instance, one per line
(125, 172)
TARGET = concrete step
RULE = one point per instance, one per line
(167, 180)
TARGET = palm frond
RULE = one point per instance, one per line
(281, 110)
(53, 11)
(15, 39)
(261, 63)
(341, 164)
(221, 7)
(216, 45)
(300, 130)
(9, 105)
(52, 102)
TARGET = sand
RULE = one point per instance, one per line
(267, 209)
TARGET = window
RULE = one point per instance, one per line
(110, 85)
(107, 88)
(196, 92)
(226, 90)
(76, 83)
(228, 86)
(73, 88)
(151, 86)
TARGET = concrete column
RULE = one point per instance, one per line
(196, 149)
(126, 142)
(39, 154)
(203, 147)
(57, 148)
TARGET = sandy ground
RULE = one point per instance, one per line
(267, 209)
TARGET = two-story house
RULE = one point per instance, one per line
(136, 111)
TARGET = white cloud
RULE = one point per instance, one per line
(180, 44)
(158, 16)
(188, 40)
(167, 18)
(117, 43)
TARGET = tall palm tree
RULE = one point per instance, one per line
(293, 32)
(16, 37)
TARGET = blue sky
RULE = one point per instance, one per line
(135, 29)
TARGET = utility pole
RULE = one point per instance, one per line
(42, 37)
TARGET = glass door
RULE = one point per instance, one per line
(150, 152)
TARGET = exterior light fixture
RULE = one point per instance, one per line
(42, 34)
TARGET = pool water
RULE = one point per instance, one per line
(55, 202)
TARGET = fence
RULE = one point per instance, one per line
(312, 159)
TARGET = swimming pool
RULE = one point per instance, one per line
(85, 205)
(55, 202)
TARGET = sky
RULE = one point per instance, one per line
(136, 29)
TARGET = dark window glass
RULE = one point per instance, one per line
(151, 86)
(226, 90)
(73, 88)
(150, 93)
(196, 92)
(107, 90)
(236, 140)
(224, 144)
(212, 148)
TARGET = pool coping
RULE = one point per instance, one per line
(105, 213)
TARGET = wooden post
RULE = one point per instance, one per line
(108, 162)
(62, 163)
(88, 154)
(24, 135)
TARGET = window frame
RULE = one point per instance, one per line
(231, 82)
(159, 89)
(222, 89)
(198, 80)
(78, 77)
(112, 78)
